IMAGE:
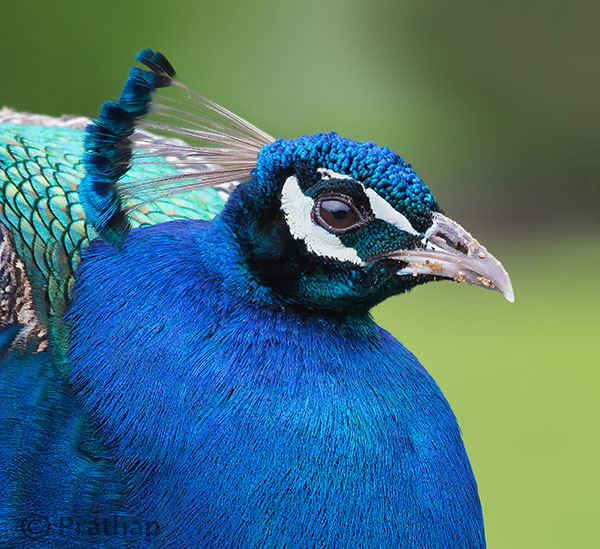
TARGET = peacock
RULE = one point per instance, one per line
(187, 357)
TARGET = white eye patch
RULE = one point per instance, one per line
(297, 209)
(383, 210)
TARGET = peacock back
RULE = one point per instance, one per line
(42, 222)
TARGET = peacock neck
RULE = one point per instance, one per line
(210, 394)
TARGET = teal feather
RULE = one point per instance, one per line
(40, 169)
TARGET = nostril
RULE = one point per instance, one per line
(445, 239)
(460, 247)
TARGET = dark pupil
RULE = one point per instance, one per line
(338, 214)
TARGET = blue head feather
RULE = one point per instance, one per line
(376, 167)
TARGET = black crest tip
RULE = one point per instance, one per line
(156, 62)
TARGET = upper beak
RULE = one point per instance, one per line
(450, 251)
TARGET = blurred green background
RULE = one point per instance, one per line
(496, 105)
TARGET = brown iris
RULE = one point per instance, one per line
(337, 215)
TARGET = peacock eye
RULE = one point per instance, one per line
(336, 215)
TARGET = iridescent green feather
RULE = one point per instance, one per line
(40, 168)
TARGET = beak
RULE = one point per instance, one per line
(449, 251)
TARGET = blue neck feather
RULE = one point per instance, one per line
(268, 426)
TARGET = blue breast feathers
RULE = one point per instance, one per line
(242, 423)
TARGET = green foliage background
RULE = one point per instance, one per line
(496, 105)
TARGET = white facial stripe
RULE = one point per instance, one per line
(297, 209)
(383, 210)
(326, 173)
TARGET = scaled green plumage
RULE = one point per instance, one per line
(40, 168)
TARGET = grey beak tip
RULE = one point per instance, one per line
(508, 292)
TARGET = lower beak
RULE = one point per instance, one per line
(449, 251)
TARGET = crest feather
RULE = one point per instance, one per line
(220, 148)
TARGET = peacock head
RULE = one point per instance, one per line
(324, 223)
(334, 225)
